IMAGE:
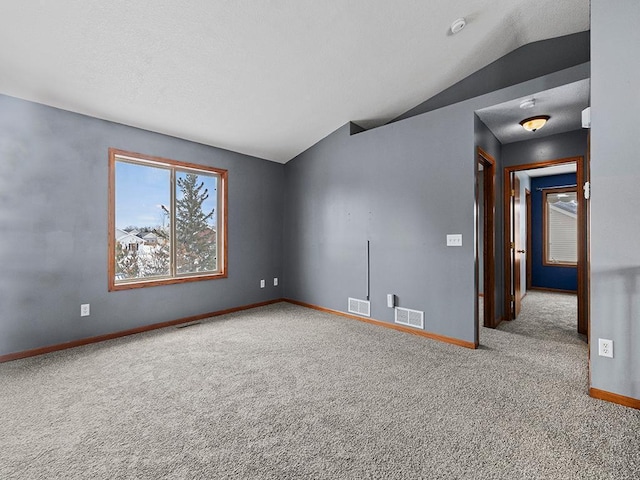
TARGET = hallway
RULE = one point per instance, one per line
(547, 316)
(544, 344)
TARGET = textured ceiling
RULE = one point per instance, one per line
(267, 78)
(563, 104)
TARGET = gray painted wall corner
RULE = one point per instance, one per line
(53, 220)
(403, 187)
(393, 188)
(530, 61)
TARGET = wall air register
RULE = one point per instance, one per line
(359, 307)
(410, 318)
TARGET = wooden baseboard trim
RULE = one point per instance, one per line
(110, 336)
(393, 326)
(552, 290)
(614, 398)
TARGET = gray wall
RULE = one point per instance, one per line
(403, 187)
(529, 61)
(615, 176)
(53, 222)
(395, 187)
(553, 147)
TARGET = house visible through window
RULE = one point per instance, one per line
(167, 221)
(560, 227)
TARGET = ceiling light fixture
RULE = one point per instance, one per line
(458, 25)
(532, 124)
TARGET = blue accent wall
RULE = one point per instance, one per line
(561, 278)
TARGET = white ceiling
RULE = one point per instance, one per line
(563, 104)
(265, 78)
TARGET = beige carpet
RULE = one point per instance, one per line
(285, 392)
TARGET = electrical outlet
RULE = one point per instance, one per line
(85, 310)
(262, 283)
(275, 281)
(605, 347)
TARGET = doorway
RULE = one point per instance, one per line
(485, 240)
(513, 249)
(527, 194)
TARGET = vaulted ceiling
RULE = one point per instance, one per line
(265, 78)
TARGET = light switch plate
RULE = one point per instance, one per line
(454, 240)
(391, 300)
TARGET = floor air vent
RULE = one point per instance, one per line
(185, 325)
(411, 318)
(360, 307)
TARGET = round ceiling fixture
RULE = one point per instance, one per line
(530, 103)
(458, 25)
(532, 124)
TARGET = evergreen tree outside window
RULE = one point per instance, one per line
(167, 221)
(195, 226)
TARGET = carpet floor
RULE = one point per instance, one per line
(285, 392)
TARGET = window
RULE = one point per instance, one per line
(560, 207)
(167, 221)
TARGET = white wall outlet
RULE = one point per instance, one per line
(262, 283)
(605, 347)
(275, 281)
(454, 240)
(85, 310)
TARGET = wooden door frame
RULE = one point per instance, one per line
(517, 243)
(527, 194)
(488, 256)
(583, 238)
